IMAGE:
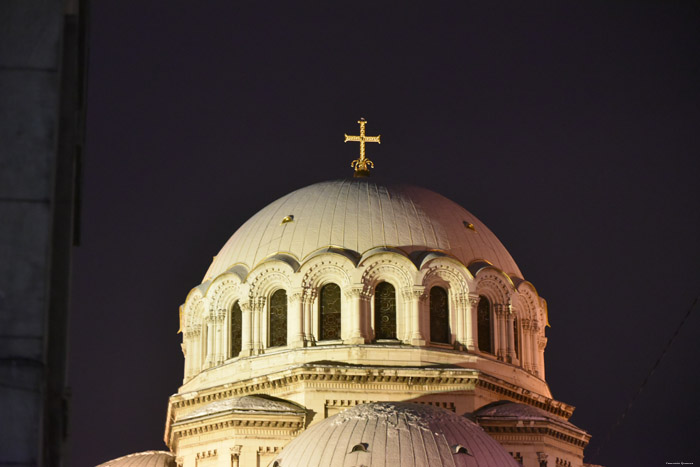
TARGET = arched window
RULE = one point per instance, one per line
(384, 311)
(236, 329)
(278, 318)
(329, 319)
(439, 316)
(483, 317)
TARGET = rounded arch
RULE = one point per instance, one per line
(531, 303)
(325, 268)
(268, 277)
(193, 309)
(389, 267)
(445, 270)
(495, 285)
(224, 290)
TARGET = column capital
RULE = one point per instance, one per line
(461, 299)
(417, 292)
(219, 315)
(296, 295)
(473, 299)
(357, 291)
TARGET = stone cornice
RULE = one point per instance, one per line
(388, 379)
(245, 426)
(519, 431)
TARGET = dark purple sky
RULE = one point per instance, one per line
(572, 129)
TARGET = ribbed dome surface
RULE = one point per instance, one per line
(395, 434)
(143, 459)
(358, 215)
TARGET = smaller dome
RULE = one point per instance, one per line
(395, 434)
(259, 403)
(143, 459)
(508, 410)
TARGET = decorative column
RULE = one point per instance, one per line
(295, 319)
(190, 341)
(209, 344)
(416, 296)
(354, 297)
(501, 339)
(257, 308)
(307, 303)
(534, 357)
(510, 315)
(526, 361)
(541, 344)
(218, 321)
(246, 330)
(472, 323)
(461, 307)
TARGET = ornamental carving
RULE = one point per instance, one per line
(387, 269)
(414, 293)
(448, 274)
(194, 308)
(323, 271)
(224, 291)
(269, 278)
(491, 283)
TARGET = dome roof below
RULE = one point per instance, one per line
(143, 459)
(359, 215)
(508, 410)
(395, 434)
(246, 404)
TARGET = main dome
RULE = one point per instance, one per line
(360, 215)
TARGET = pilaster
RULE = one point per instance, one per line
(295, 328)
(257, 308)
(357, 298)
(511, 354)
(246, 330)
(501, 339)
(472, 325)
(416, 297)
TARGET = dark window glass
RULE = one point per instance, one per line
(483, 316)
(385, 311)
(330, 312)
(439, 316)
(278, 318)
(515, 338)
(236, 329)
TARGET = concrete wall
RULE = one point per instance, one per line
(41, 108)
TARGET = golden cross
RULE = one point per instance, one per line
(360, 165)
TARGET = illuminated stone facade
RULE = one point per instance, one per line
(349, 292)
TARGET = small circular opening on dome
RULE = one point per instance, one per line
(469, 225)
(287, 219)
(459, 449)
(361, 447)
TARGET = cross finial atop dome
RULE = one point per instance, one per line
(362, 164)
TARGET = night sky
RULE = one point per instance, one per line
(572, 129)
